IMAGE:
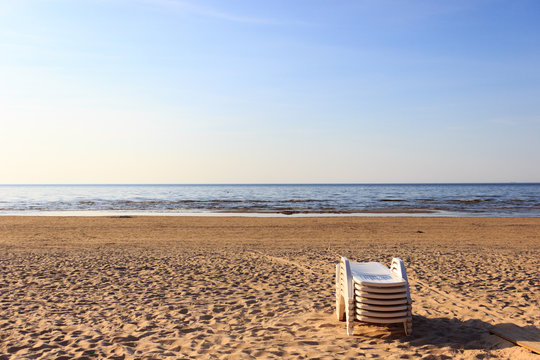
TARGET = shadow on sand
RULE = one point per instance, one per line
(453, 333)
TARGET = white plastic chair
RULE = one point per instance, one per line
(373, 293)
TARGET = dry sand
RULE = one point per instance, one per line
(216, 287)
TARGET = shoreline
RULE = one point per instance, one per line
(258, 214)
(152, 287)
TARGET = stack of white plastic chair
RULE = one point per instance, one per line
(373, 293)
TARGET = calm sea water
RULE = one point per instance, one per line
(274, 200)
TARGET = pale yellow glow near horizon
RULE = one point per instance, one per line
(46, 146)
(67, 143)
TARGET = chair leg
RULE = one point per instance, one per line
(340, 307)
(340, 302)
(408, 327)
(350, 326)
(350, 317)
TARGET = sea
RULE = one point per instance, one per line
(500, 200)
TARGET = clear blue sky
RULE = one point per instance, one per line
(166, 91)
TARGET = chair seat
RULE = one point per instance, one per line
(374, 274)
(399, 307)
(382, 314)
(382, 290)
(401, 295)
(382, 302)
(382, 320)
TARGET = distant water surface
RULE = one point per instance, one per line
(274, 200)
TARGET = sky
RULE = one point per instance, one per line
(304, 91)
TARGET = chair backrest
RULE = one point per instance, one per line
(398, 268)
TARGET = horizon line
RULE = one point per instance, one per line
(276, 183)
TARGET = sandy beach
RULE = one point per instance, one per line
(243, 288)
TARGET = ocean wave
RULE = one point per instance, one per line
(470, 201)
(208, 201)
